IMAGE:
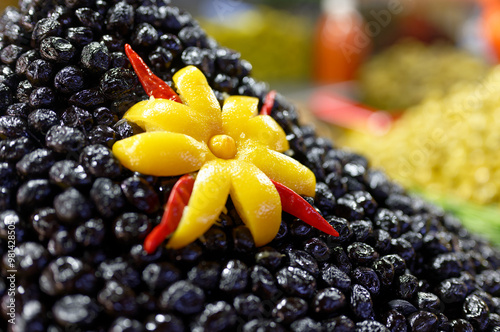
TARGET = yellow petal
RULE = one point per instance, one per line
(167, 115)
(256, 200)
(265, 130)
(209, 197)
(196, 93)
(236, 112)
(280, 168)
(161, 153)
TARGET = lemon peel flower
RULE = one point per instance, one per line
(235, 151)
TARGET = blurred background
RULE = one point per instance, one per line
(411, 84)
(6, 3)
(326, 40)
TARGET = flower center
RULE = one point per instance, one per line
(222, 146)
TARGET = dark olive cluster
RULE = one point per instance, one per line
(80, 218)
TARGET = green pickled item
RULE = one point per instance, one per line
(277, 43)
(409, 72)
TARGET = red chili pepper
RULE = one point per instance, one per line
(348, 114)
(152, 84)
(292, 203)
(268, 103)
(177, 201)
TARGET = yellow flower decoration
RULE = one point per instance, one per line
(235, 151)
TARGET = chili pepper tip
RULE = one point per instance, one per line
(294, 204)
(268, 103)
(152, 84)
(177, 201)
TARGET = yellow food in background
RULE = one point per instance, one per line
(277, 43)
(448, 145)
(407, 73)
(5, 3)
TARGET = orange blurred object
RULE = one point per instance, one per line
(341, 43)
(491, 24)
